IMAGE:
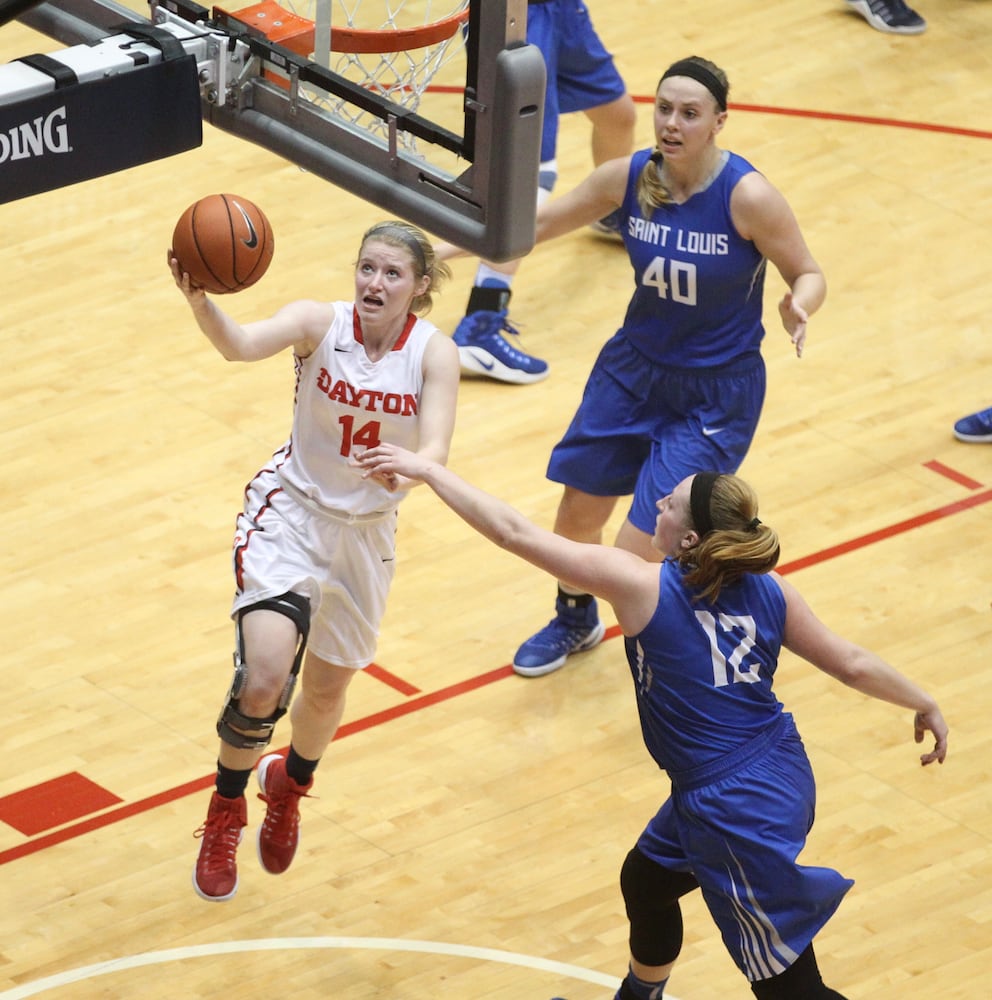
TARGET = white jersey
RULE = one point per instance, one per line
(346, 403)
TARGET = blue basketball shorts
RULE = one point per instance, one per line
(581, 73)
(641, 429)
(740, 836)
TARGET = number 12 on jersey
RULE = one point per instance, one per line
(720, 630)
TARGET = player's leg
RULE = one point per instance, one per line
(575, 627)
(651, 896)
(270, 638)
(801, 979)
(597, 461)
(635, 540)
(315, 716)
(485, 337)
(613, 126)
(589, 81)
(360, 561)
(482, 334)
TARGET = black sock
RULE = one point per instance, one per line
(574, 600)
(230, 783)
(299, 768)
(487, 299)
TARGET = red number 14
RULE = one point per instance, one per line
(367, 435)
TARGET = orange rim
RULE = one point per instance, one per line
(297, 33)
(359, 41)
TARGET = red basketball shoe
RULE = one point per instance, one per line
(215, 877)
(279, 834)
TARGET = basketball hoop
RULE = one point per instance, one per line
(394, 52)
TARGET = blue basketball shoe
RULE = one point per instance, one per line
(482, 348)
(574, 629)
(893, 16)
(976, 427)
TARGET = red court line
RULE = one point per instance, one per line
(883, 533)
(836, 116)
(391, 680)
(199, 784)
(839, 116)
(952, 474)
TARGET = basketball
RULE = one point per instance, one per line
(224, 243)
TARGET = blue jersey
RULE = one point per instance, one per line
(743, 795)
(703, 672)
(698, 299)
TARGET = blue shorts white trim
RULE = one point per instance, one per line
(740, 836)
(581, 73)
(641, 428)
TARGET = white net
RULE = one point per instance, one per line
(393, 48)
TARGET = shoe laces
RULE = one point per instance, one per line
(492, 321)
(221, 833)
(497, 323)
(282, 806)
(561, 632)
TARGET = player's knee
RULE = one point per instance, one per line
(616, 118)
(260, 692)
(262, 689)
(651, 893)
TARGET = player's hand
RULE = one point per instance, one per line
(794, 319)
(182, 279)
(933, 722)
(389, 464)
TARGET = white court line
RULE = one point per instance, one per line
(280, 944)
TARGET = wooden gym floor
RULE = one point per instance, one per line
(470, 824)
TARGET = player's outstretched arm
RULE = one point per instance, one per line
(627, 582)
(299, 325)
(590, 200)
(861, 669)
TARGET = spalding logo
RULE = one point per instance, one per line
(45, 134)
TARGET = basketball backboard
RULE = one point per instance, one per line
(447, 139)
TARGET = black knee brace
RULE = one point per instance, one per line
(297, 609)
(651, 895)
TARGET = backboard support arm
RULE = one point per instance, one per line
(488, 209)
